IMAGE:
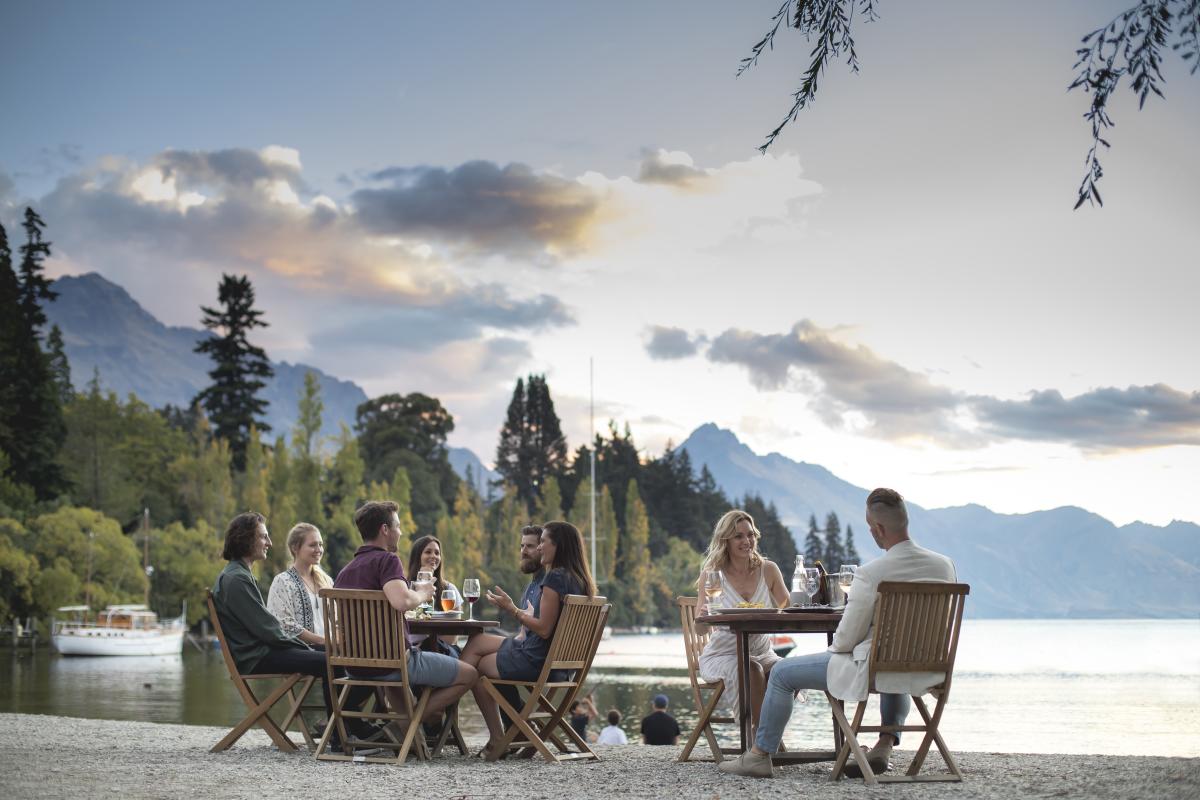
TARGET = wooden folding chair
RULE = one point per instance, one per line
(916, 630)
(695, 638)
(294, 685)
(364, 631)
(541, 722)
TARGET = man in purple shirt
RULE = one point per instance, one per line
(375, 566)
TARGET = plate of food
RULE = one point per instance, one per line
(445, 615)
(741, 608)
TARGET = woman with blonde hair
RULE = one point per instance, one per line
(746, 578)
(294, 598)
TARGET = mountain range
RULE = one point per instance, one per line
(107, 330)
(1063, 562)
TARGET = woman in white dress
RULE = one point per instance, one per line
(293, 598)
(746, 577)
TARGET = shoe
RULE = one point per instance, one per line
(365, 731)
(877, 759)
(750, 764)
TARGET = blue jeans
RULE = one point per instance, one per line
(808, 672)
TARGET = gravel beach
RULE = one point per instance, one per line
(50, 757)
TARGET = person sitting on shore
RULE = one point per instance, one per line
(426, 554)
(256, 640)
(659, 727)
(844, 668)
(294, 597)
(376, 566)
(521, 657)
(612, 733)
(746, 577)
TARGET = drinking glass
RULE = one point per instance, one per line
(812, 583)
(424, 578)
(471, 595)
(846, 578)
(712, 587)
(449, 598)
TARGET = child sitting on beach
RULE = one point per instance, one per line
(612, 733)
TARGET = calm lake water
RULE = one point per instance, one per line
(1020, 686)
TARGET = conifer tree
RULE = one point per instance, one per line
(532, 447)
(60, 367)
(835, 553)
(814, 550)
(239, 368)
(852, 556)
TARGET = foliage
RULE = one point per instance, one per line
(104, 560)
(239, 368)
(186, 562)
(1131, 45)
(343, 493)
(636, 594)
(813, 548)
(777, 543)
(549, 506)
(202, 474)
(834, 554)
(532, 447)
(18, 572)
(852, 556)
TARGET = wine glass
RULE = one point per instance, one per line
(471, 595)
(812, 583)
(712, 587)
(846, 578)
(424, 578)
(449, 599)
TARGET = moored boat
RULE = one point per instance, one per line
(123, 630)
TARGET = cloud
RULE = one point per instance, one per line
(1102, 419)
(669, 167)
(671, 343)
(480, 207)
(851, 387)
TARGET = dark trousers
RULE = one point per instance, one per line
(310, 662)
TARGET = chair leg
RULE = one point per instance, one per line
(932, 735)
(519, 723)
(851, 744)
(703, 726)
(258, 715)
(299, 693)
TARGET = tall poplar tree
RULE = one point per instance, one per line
(637, 597)
(239, 368)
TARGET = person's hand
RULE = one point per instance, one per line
(425, 592)
(500, 599)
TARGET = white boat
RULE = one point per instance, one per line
(117, 631)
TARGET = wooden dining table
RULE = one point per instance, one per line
(431, 628)
(770, 622)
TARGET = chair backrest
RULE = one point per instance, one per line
(230, 664)
(695, 638)
(916, 627)
(363, 630)
(577, 634)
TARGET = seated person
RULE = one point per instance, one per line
(521, 657)
(294, 598)
(256, 640)
(843, 670)
(426, 554)
(375, 566)
(612, 733)
(582, 712)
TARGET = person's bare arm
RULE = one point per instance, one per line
(403, 598)
(775, 585)
(548, 610)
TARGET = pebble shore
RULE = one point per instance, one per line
(53, 757)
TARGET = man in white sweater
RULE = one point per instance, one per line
(843, 670)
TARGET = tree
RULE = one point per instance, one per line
(401, 493)
(187, 561)
(205, 485)
(1131, 45)
(18, 572)
(31, 421)
(252, 484)
(634, 572)
(777, 543)
(91, 454)
(105, 562)
(343, 492)
(834, 554)
(549, 506)
(814, 550)
(532, 447)
(60, 367)
(852, 556)
(239, 368)
(280, 498)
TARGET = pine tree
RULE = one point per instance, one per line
(814, 550)
(60, 367)
(232, 399)
(12, 337)
(852, 556)
(34, 286)
(835, 554)
(532, 447)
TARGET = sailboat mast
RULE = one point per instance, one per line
(146, 551)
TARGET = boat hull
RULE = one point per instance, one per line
(119, 643)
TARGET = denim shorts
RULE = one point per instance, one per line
(425, 669)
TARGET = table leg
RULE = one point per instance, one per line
(744, 715)
(838, 739)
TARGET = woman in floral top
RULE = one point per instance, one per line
(293, 598)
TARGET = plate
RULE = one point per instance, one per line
(741, 610)
(809, 609)
(445, 615)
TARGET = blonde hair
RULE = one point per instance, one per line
(295, 538)
(717, 556)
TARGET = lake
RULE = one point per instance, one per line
(1020, 686)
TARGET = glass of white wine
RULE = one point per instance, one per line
(812, 583)
(424, 578)
(846, 578)
(712, 587)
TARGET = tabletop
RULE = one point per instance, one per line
(776, 621)
(451, 627)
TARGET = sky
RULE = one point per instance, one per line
(444, 197)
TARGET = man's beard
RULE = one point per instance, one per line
(530, 565)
